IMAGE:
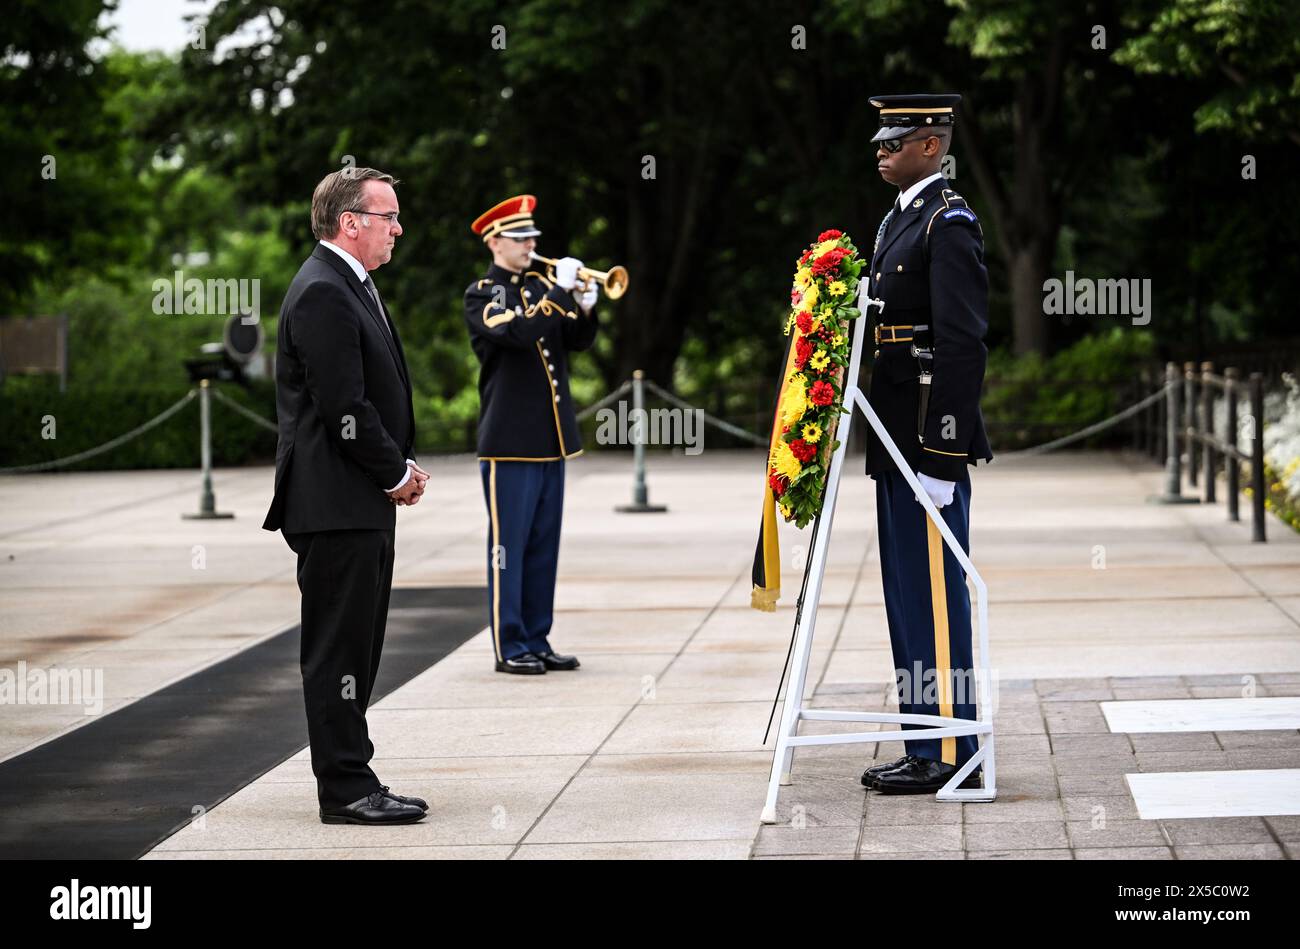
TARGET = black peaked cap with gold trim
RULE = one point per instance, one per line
(901, 115)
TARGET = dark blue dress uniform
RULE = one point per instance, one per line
(928, 268)
(522, 329)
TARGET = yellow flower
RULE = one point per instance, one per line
(812, 433)
(820, 360)
(784, 462)
(814, 326)
(802, 278)
(837, 340)
(838, 288)
(823, 247)
(810, 297)
(785, 510)
(795, 401)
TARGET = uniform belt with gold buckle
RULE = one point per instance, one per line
(893, 334)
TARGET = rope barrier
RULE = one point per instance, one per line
(109, 445)
(585, 413)
(716, 422)
(608, 400)
(1091, 429)
(246, 412)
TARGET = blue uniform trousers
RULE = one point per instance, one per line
(525, 501)
(929, 612)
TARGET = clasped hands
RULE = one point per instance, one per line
(566, 276)
(410, 492)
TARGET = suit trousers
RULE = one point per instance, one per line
(929, 612)
(525, 501)
(345, 577)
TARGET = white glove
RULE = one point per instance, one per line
(589, 297)
(566, 272)
(940, 491)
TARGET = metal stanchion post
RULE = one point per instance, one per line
(1231, 463)
(640, 493)
(207, 499)
(1192, 429)
(1173, 460)
(1257, 455)
(1207, 426)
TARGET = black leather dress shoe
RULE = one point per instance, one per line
(869, 776)
(922, 776)
(523, 665)
(374, 808)
(403, 799)
(554, 660)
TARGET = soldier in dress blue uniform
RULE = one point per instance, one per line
(522, 327)
(928, 268)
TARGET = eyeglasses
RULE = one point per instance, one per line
(389, 216)
(895, 145)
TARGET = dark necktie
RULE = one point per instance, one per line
(884, 224)
(374, 295)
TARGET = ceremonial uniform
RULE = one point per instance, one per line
(522, 327)
(928, 269)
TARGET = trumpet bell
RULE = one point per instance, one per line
(615, 282)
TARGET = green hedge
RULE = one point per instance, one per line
(85, 417)
(1029, 400)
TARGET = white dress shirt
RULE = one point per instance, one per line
(360, 271)
(904, 199)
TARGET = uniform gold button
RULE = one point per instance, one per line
(557, 398)
(877, 355)
(900, 268)
(546, 352)
(550, 366)
(877, 275)
(554, 383)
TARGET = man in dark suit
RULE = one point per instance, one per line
(928, 269)
(343, 465)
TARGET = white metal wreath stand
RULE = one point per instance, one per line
(788, 737)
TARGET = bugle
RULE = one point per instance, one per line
(614, 280)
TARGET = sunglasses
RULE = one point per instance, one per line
(895, 145)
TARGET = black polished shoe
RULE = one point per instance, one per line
(554, 660)
(523, 665)
(403, 799)
(869, 776)
(922, 776)
(374, 808)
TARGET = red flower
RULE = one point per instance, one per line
(802, 450)
(831, 235)
(806, 254)
(803, 321)
(829, 263)
(777, 484)
(821, 393)
(802, 350)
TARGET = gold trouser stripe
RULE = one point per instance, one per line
(492, 555)
(939, 604)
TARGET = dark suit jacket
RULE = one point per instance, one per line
(929, 270)
(343, 401)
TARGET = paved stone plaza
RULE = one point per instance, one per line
(654, 748)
